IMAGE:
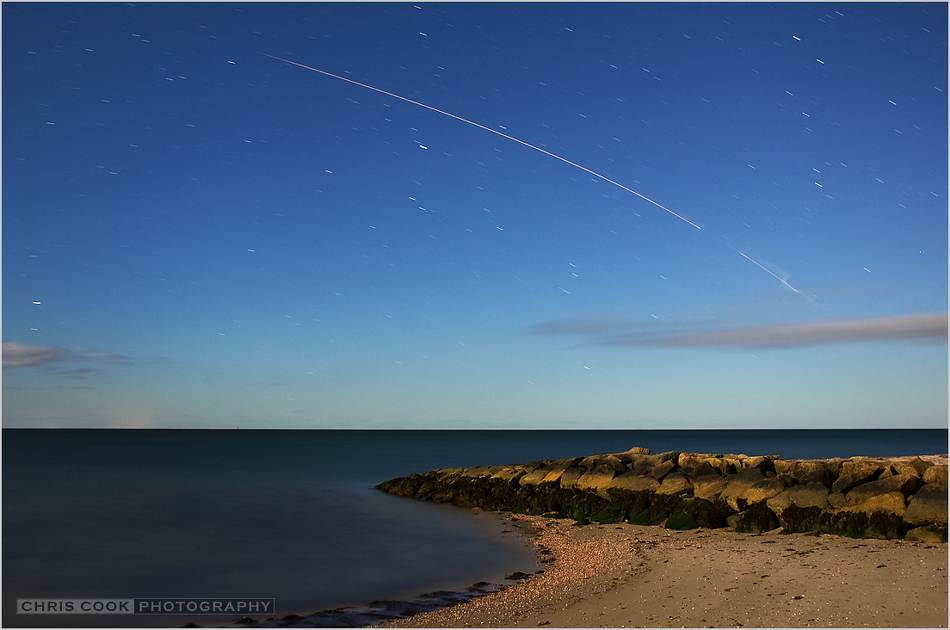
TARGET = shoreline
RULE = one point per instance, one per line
(623, 575)
(661, 572)
(619, 572)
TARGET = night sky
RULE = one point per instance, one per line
(197, 234)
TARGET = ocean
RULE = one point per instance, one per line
(294, 515)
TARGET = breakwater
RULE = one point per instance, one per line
(858, 497)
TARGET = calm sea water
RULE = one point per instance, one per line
(294, 515)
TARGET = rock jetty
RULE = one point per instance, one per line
(858, 497)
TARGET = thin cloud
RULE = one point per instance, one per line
(924, 326)
(18, 355)
(579, 326)
(79, 373)
(44, 388)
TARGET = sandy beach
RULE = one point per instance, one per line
(636, 576)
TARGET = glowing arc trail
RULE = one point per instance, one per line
(503, 135)
(770, 273)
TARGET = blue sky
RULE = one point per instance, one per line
(196, 234)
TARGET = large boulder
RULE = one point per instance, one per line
(936, 475)
(696, 465)
(535, 476)
(745, 477)
(662, 469)
(597, 481)
(810, 495)
(705, 468)
(634, 482)
(639, 450)
(721, 462)
(856, 471)
(756, 493)
(878, 517)
(480, 471)
(927, 534)
(891, 503)
(913, 466)
(708, 487)
(604, 461)
(929, 505)
(571, 476)
(509, 473)
(824, 476)
(675, 483)
(739, 484)
(731, 464)
(687, 459)
(691, 513)
(905, 484)
(671, 456)
(556, 472)
(801, 468)
(788, 467)
(764, 463)
(837, 500)
(779, 503)
(641, 464)
(857, 464)
(758, 518)
(800, 507)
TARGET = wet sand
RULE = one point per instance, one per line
(634, 576)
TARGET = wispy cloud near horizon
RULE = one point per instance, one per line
(19, 355)
(922, 326)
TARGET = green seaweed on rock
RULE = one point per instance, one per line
(608, 514)
(756, 519)
(878, 525)
(801, 519)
